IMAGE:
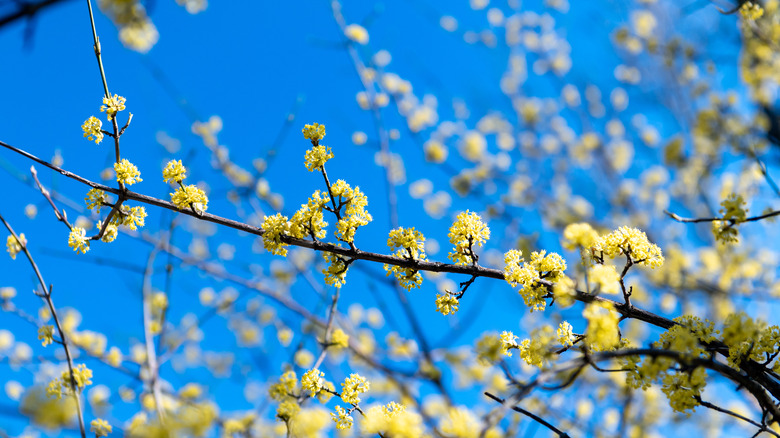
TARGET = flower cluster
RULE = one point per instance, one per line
(606, 277)
(100, 427)
(352, 387)
(508, 342)
(342, 418)
(447, 303)
(408, 244)
(96, 199)
(309, 219)
(274, 228)
(313, 381)
(630, 242)
(537, 351)
(336, 271)
(602, 332)
(751, 10)
(314, 132)
(46, 334)
(467, 230)
(126, 172)
(354, 214)
(62, 385)
(174, 171)
(77, 239)
(580, 235)
(316, 157)
(284, 387)
(93, 129)
(15, 246)
(190, 196)
(392, 420)
(112, 105)
(542, 267)
(733, 213)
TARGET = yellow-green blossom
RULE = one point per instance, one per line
(275, 227)
(126, 172)
(538, 350)
(733, 213)
(287, 409)
(602, 332)
(353, 386)
(467, 231)
(529, 275)
(580, 235)
(112, 105)
(100, 427)
(95, 199)
(339, 339)
(342, 418)
(131, 217)
(354, 212)
(336, 271)
(316, 157)
(174, 171)
(565, 335)
(408, 244)
(309, 221)
(92, 128)
(606, 277)
(77, 239)
(46, 334)
(190, 196)
(489, 349)
(751, 10)
(314, 132)
(630, 242)
(508, 342)
(446, 303)
(109, 235)
(15, 246)
(313, 381)
(284, 387)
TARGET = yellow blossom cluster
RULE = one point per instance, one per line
(579, 235)
(352, 387)
(14, 245)
(46, 334)
(336, 271)
(467, 230)
(184, 197)
(733, 213)
(606, 278)
(62, 385)
(112, 105)
(447, 303)
(96, 199)
(392, 420)
(93, 129)
(126, 172)
(630, 242)
(354, 213)
(408, 244)
(531, 274)
(314, 132)
(602, 332)
(77, 239)
(274, 228)
(751, 10)
(100, 427)
(316, 157)
(309, 221)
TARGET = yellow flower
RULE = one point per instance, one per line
(339, 339)
(631, 242)
(78, 240)
(126, 172)
(467, 230)
(46, 334)
(95, 199)
(751, 11)
(602, 332)
(508, 342)
(580, 235)
(190, 195)
(275, 227)
(410, 245)
(312, 381)
(356, 33)
(446, 303)
(316, 157)
(174, 171)
(353, 386)
(342, 418)
(113, 105)
(565, 335)
(314, 132)
(92, 128)
(100, 427)
(15, 246)
(607, 278)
